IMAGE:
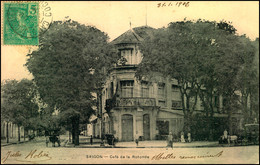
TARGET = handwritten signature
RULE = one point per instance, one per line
(163, 156)
(32, 155)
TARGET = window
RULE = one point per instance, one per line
(161, 94)
(176, 104)
(161, 103)
(144, 89)
(111, 89)
(127, 88)
(216, 101)
(128, 55)
(161, 91)
(175, 88)
(224, 102)
(176, 94)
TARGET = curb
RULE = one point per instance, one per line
(85, 146)
(8, 144)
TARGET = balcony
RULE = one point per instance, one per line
(129, 102)
(135, 101)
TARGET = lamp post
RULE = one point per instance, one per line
(101, 120)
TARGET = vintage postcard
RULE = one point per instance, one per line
(129, 82)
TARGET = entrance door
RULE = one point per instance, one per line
(146, 126)
(127, 127)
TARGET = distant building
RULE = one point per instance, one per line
(131, 107)
(10, 130)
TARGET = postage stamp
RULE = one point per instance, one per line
(21, 23)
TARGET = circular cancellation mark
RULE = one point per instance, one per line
(30, 23)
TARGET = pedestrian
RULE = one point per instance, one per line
(91, 139)
(47, 140)
(170, 140)
(113, 141)
(182, 137)
(136, 139)
(189, 137)
(225, 136)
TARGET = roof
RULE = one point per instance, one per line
(135, 35)
(92, 118)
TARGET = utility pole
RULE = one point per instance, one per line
(145, 14)
(101, 119)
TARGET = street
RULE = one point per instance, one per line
(36, 152)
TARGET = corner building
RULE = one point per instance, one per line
(133, 108)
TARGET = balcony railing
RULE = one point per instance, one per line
(135, 101)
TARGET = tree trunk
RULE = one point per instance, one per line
(230, 122)
(24, 134)
(211, 127)
(7, 134)
(187, 122)
(75, 131)
(230, 126)
(73, 134)
(19, 134)
(12, 131)
(70, 136)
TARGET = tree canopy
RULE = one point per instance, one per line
(18, 102)
(205, 57)
(69, 66)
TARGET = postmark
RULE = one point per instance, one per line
(45, 17)
(24, 22)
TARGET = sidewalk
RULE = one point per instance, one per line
(162, 144)
(13, 141)
(84, 143)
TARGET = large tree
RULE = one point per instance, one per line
(175, 53)
(68, 67)
(255, 93)
(19, 103)
(203, 56)
(248, 80)
(220, 69)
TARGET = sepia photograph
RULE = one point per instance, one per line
(130, 82)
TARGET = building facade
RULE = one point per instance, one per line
(10, 130)
(133, 108)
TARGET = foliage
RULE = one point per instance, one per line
(248, 80)
(204, 57)
(18, 101)
(69, 66)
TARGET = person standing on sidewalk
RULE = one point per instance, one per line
(136, 139)
(47, 140)
(170, 140)
(91, 140)
(225, 135)
(182, 137)
(189, 137)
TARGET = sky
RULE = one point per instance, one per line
(114, 19)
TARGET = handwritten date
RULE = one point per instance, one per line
(178, 4)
